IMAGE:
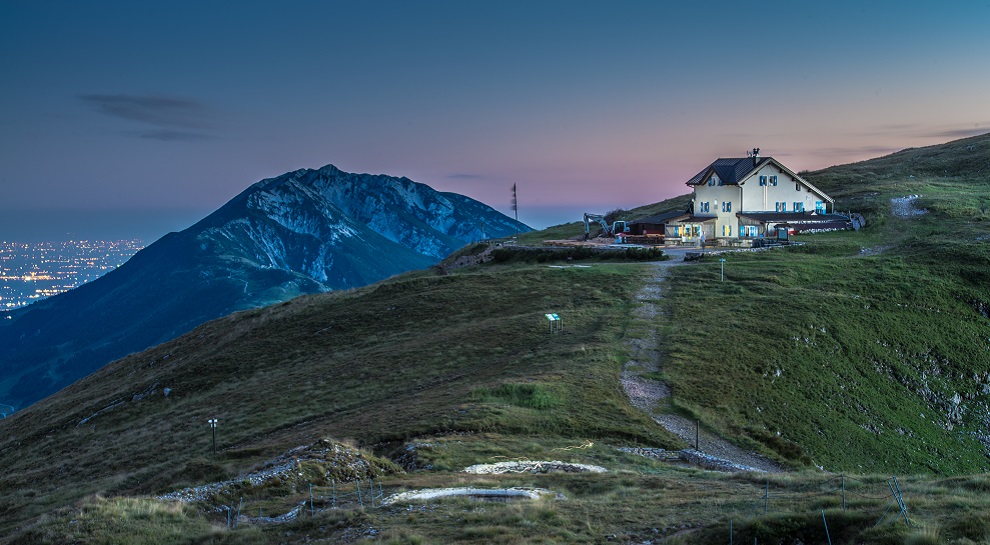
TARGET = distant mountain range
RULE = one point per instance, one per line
(307, 231)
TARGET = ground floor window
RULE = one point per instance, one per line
(726, 230)
(748, 231)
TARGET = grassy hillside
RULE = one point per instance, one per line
(421, 355)
(865, 353)
(869, 351)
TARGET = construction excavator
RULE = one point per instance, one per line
(606, 230)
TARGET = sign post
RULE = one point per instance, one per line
(213, 425)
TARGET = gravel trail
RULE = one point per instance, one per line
(645, 393)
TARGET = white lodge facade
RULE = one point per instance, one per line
(746, 197)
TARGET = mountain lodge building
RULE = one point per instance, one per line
(745, 198)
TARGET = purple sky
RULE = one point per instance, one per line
(160, 113)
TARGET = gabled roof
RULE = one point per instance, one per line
(733, 170)
(661, 218)
(730, 170)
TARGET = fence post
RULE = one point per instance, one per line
(766, 498)
(357, 484)
(828, 537)
(239, 505)
(843, 492)
(333, 492)
(900, 501)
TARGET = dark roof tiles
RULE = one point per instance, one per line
(730, 170)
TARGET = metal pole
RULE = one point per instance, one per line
(239, 505)
(766, 498)
(843, 492)
(214, 439)
(697, 435)
(900, 500)
(358, 485)
(828, 537)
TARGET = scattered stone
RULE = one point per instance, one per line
(480, 493)
(527, 466)
(655, 453)
(904, 207)
(707, 461)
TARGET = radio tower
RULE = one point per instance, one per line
(515, 206)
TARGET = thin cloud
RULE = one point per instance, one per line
(175, 136)
(174, 118)
(466, 177)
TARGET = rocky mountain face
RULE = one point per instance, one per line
(306, 231)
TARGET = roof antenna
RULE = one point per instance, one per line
(755, 154)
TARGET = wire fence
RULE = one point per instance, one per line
(851, 494)
(315, 498)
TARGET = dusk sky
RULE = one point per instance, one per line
(148, 116)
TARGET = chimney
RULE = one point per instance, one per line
(755, 155)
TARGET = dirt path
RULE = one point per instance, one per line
(646, 393)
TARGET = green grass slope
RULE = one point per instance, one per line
(865, 351)
(420, 355)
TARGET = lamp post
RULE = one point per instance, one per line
(213, 425)
(722, 261)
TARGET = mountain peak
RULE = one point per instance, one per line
(306, 231)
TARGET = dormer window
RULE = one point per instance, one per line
(714, 180)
